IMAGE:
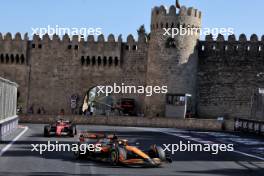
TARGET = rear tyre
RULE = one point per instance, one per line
(118, 155)
(47, 131)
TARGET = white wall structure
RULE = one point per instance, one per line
(8, 107)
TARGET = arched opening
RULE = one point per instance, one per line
(88, 61)
(2, 58)
(17, 59)
(12, 58)
(82, 60)
(7, 58)
(99, 61)
(22, 59)
(105, 61)
(110, 61)
(93, 61)
(96, 102)
(116, 61)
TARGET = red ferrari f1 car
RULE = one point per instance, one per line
(119, 152)
(60, 128)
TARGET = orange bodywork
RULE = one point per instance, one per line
(137, 151)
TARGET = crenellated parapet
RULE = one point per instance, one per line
(139, 44)
(174, 18)
(131, 44)
(108, 49)
(101, 52)
(13, 49)
(232, 46)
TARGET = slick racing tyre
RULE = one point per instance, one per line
(47, 131)
(118, 155)
(72, 131)
(77, 154)
(157, 152)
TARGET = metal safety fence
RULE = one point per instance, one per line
(8, 99)
(249, 126)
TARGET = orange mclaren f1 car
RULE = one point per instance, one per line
(119, 152)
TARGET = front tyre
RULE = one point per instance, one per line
(72, 131)
(77, 154)
(157, 152)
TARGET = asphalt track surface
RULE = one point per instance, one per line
(248, 160)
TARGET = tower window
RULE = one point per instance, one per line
(33, 46)
(69, 46)
(170, 43)
(39, 46)
(76, 47)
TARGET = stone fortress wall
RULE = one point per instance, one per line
(229, 76)
(49, 71)
(220, 74)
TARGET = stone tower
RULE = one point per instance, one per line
(172, 61)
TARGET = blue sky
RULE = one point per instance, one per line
(125, 16)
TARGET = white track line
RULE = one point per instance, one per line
(13, 141)
(235, 151)
(192, 139)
